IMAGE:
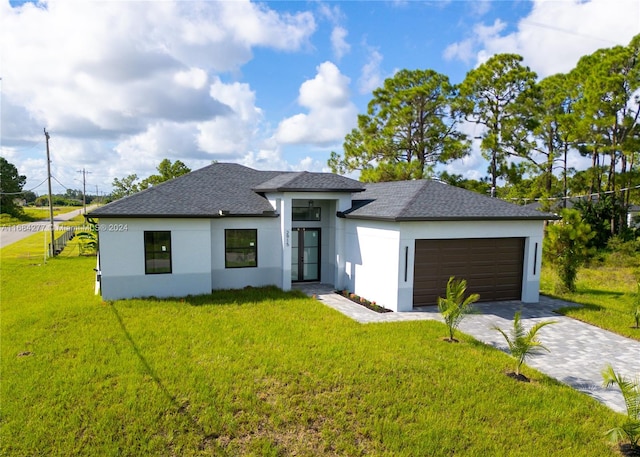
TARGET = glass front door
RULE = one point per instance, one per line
(305, 254)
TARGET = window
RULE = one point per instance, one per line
(311, 213)
(157, 252)
(241, 248)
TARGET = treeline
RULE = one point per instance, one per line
(528, 129)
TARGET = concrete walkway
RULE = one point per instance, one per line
(579, 351)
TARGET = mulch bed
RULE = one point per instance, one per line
(363, 302)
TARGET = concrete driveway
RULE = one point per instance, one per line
(578, 351)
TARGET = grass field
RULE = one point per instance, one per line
(34, 214)
(258, 372)
(605, 289)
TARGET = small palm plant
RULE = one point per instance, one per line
(630, 430)
(88, 242)
(455, 306)
(523, 344)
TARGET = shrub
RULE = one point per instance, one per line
(566, 246)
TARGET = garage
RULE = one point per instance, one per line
(491, 266)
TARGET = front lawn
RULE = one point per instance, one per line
(259, 372)
(607, 292)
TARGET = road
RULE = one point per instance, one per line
(9, 235)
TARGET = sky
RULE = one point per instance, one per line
(121, 85)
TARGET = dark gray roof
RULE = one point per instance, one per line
(425, 200)
(304, 181)
(227, 189)
(221, 189)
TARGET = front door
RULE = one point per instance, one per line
(305, 254)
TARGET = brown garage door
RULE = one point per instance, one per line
(491, 266)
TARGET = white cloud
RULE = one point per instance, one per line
(370, 77)
(461, 50)
(140, 76)
(339, 43)
(331, 114)
(555, 34)
(339, 33)
(231, 136)
(194, 78)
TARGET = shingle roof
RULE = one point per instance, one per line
(304, 181)
(226, 189)
(229, 188)
(425, 200)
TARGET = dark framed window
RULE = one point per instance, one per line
(240, 248)
(157, 252)
(305, 213)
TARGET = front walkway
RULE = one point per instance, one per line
(578, 354)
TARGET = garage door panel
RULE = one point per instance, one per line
(491, 266)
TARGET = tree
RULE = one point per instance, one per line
(11, 184)
(483, 186)
(125, 186)
(598, 213)
(553, 133)
(455, 306)
(523, 344)
(29, 196)
(166, 171)
(630, 430)
(498, 96)
(409, 128)
(567, 245)
(608, 116)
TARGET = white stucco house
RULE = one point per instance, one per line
(228, 226)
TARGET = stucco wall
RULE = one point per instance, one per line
(268, 271)
(372, 261)
(376, 254)
(123, 265)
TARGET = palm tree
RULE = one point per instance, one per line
(454, 307)
(631, 394)
(523, 344)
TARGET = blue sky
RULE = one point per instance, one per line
(120, 85)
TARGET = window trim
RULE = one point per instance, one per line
(155, 251)
(236, 248)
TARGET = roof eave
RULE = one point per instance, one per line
(178, 216)
(447, 218)
(304, 189)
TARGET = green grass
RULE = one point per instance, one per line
(258, 372)
(605, 290)
(31, 214)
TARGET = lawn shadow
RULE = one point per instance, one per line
(588, 306)
(601, 293)
(180, 408)
(237, 297)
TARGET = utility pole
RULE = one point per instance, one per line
(53, 233)
(84, 190)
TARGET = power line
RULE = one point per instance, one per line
(572, 197)
(56, 180)
(28, 190)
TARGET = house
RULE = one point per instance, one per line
(397, 243)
